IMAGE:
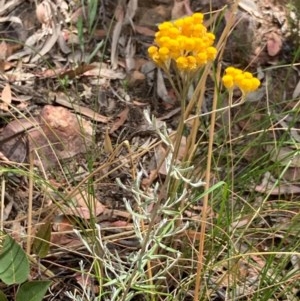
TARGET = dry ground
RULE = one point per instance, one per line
(87, 103)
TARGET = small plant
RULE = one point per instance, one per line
(186, 47)
(245, 81)
(14, 270)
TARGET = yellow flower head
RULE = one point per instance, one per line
(245, 81)
(211, 53)
(185, 41)
(182, 63)
(197, 17)
(228, 81)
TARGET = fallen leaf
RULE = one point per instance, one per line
(6, 94)
(153, 16)
(7, 210)
(62, 73)
(119, 15)
(296, 92)
(145, 31)
(62, 224)
(119, 224)
(162, 91)
(181, 8)
(13, 143)
(101, 70)
(3, 50)
(129, 56)
(119, 120)
(136, 78)
(62, 99)
(284, 155)
(131, 11)
(251, 7)
(48, 45)
(44, 12)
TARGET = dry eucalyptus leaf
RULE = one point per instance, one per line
(284, 156)
(130, 11)
(44, 13)
(119, 14)
(250, 6)
(120, 120)
(3, 50)
(296, 92)
(8, 6)
(101, 70)
(62, 99)
(6, 94)
(48, 45)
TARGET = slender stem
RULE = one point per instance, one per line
(206, 195)
(183, 96)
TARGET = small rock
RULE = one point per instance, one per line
(274, 44)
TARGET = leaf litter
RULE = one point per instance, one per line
(61, 121)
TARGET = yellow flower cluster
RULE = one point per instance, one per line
(245, 81)
(185, 41)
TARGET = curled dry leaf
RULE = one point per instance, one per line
(130, 11)
(250, 6)
(44, 13)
